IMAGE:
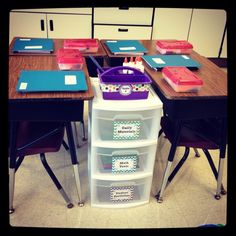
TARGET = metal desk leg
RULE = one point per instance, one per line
(74, 160)
(13, 153)
(221, 161)
(169, 163)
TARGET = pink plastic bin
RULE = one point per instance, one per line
(173, 46)
(84, 45)
(69, 59)
(181, 79)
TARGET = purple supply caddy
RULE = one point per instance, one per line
(124, 83)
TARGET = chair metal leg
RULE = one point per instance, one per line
(83, 129)
(18, 162)
(55, 180)
(178, 166)
(65, 145)
(197, 154)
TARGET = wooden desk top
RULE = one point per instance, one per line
(214, 79)
(58, 43)
(16, 64)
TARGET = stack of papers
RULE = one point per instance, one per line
(33, 45)
(124, 47)
(49, 81)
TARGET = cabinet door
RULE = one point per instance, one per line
(206, 31)
(171, 23)
(27, 25)
(122, 32)
(69, 26)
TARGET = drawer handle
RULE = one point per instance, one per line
(42, 25)
(51, 25)
(123, 8)
(123, 30)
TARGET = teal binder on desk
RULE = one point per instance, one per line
(119, 47)
(157, 62)
(51, 81)
(33, 45)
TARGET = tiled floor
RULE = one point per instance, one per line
(188, 202)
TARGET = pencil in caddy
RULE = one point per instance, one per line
(124, 83)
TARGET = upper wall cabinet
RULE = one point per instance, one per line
(206, 31)
(51, 23)
(123, 23)
(171, 23)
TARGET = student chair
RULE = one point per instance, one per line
(205, 134)
(38, 138)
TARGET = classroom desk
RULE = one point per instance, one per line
(56, 106)
(58, 43)
(209, 102)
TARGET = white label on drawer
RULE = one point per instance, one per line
(126, 130)
(120, 194)
(24, 39)
(185, 57)
(70, 80)
(158, 60)
(127, 48)
(34, 47)
(121, 164)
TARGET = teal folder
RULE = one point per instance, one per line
(51, 81)
(157, 62)
(33, 45)
(119, 47)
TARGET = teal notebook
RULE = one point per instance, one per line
(119, 47)
(157, 62)
(51, 81)
(33, 45)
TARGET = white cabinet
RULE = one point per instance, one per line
(122, 149)
(224, 47)
(171, 23)
(123, 23)
(51, 23)
(206, 31)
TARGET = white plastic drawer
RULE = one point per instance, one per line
(120, 193)
(123, 161)
(125, 125)
(122, 32)
(132, 15)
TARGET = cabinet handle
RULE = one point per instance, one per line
(123, 30)
(123, 8)
(51, 25)
(42, 25)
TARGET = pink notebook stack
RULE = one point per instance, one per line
(69, 59)
(173, 46)
(83, 45)
(181, 79)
